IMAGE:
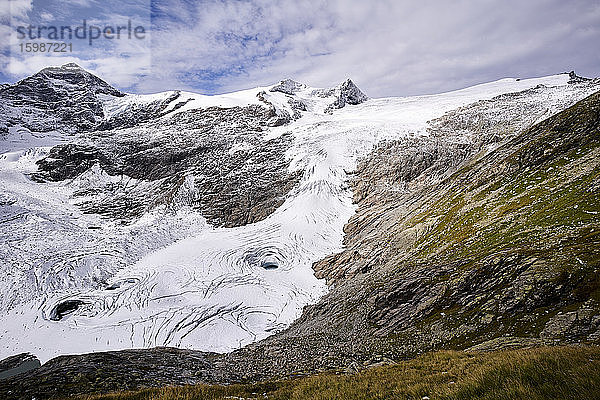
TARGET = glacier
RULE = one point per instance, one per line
(74, 281)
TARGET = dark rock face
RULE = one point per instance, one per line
(17, 365)
(189, 159)
(574, 78)
(347, 93)
(68, 161)
(63, 97)
(90, 373)
(351, 94)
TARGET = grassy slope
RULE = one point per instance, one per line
(541, 201)
(545, 190)
(511, 240)
(543, 373)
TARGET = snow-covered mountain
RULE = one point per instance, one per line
(178, 219)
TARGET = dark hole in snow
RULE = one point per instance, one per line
(269, 265)
(64, 308)
(94, 227)
(114, 286)
(117, 285)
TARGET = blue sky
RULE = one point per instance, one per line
(388, 47)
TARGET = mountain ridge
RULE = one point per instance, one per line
(48, 95)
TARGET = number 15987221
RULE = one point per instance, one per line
(51, 47)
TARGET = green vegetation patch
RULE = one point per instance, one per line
(541, 373)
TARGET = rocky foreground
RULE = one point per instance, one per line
(446, 375)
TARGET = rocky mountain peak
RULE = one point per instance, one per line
(72, 74)
(70, 65)
(351, 93)
(346, 93)
(574, 78)
(65, 96)
(288, 86)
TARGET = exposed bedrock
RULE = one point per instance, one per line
(17, 365)
(65, 97)
(215, 160)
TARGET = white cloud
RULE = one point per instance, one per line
(46, 17)
(15, 8)
(388, 47)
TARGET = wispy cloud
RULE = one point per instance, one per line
(388, 47)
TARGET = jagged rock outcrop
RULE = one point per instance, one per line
(346, 93)
(17, 365)
(574, 78)
(199, 166)
(65, 375)
(288, 86)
